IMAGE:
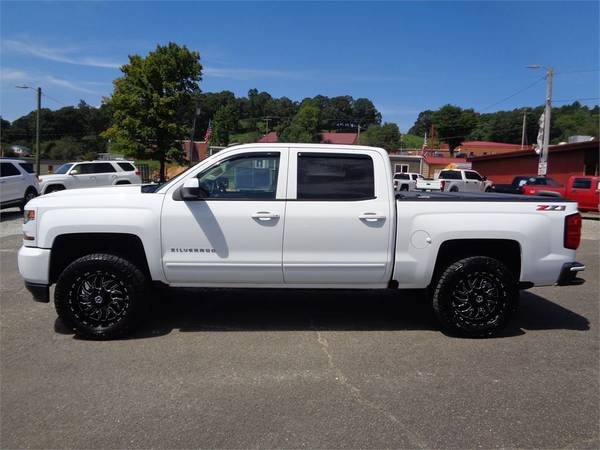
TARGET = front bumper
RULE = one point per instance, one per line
(40, 292)
(568, 274)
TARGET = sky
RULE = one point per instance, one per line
(405, 56)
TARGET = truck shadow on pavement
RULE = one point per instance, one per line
(307, 310)
(5, 216)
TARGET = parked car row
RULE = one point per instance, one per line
(448, 180)
(19, 183)
(582, 188)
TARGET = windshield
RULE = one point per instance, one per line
(63, 169)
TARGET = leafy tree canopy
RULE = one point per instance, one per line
(148, 101)
(386, 136)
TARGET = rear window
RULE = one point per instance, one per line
(27, 167)
(127, 167)
(8, 170)
(325, 176)
(450, 175)
(402, 176)
(582, 183)
(102, 168)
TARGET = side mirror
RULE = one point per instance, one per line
(191, 190)
(73, 172)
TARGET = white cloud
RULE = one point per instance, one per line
(64, 55)
(12, 75)
(69, 85)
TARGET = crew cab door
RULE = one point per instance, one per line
(339, 218)
(585, 191)
(473, 182)
(234, 235)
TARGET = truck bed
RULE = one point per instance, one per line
(475, 197)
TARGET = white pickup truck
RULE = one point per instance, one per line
(294, 216)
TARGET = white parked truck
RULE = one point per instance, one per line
(294, 216)
(406, 181)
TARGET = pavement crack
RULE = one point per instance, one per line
(414, 440)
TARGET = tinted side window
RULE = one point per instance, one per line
(83, 169)
(126, 166)
(335, 177)
(250, 176)
(450, 175)
(102, 168)
(582, 183)
(27, 167)
(472, 176)
(401, 176)
(8, 170)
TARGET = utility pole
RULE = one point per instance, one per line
(37, 125)
(358, 137)
(523, 132)
(543, 164)
(192, 146)
(37, 130)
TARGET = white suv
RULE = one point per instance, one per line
(406, 181)
(86, 174)
(18, 183)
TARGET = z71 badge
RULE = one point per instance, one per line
(551, 207)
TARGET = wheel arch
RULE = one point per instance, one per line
(507, 251)
(61, 187)
(66, 248)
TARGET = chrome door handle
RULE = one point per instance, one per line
(265, 215)
(371, 216)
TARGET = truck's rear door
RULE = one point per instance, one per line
(340, 218)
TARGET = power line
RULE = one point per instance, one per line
(53, 99)
(578, 71)
(563, 100)
(515, 94)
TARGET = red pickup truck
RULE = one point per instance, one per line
(582, 188)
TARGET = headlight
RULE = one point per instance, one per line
(28, 215)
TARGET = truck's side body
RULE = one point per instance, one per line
(305, 239)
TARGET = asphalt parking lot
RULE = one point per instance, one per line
(273, 369)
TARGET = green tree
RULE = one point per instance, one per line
(148, 100)
(224, 124)
(422, 124)
(304, 127)
(386, 136)
(453, 124)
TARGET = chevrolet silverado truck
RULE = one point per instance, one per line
(293, 216)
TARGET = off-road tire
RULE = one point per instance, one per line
(475, 297)
(453, 189)
(30, 194)
(100, 296)
(404, 187)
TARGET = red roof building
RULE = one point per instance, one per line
(580, 158)
(481, 148)
(269, 138)
(326, 138)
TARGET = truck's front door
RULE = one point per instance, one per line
(339, 218)
(234, 236)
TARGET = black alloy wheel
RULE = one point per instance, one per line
(100, 296)
(475, 297)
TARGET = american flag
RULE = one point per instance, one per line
(208, 133)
